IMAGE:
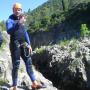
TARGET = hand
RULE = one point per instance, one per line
(22, 20)
(30, 49)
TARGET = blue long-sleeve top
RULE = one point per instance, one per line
(12, 25)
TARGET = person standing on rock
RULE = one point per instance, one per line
(20, 45)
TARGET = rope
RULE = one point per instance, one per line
(26, 52)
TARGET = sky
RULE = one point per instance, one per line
(6, 6)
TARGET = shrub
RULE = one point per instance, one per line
(84, 31)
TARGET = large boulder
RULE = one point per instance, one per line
(66, 66)
(24, 82)
(1, 38)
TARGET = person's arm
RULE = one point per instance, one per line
(11, 25)
(28, 41)
(27, 37)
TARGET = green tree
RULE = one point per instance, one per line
(2, 25)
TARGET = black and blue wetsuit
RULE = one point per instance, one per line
(18, 34)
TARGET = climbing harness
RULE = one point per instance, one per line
(25, 46)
